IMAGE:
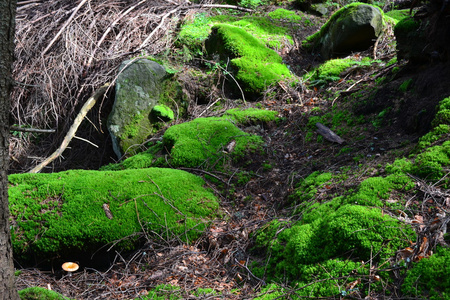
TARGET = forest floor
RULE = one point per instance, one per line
(220, 259)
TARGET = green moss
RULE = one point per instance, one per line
(331, 69)
(405, 86)
(397, 15)
(262, 28)
(162, 112)
(429, 278)
(406, 25)
(195, 31)
(38, 293)
(63, 213)
(311, 41)
(307, 188)
(282, 14)
(250, 115)
(132, 130)
(431, 164)
(374, 190)
(349, 231)
(202, 141)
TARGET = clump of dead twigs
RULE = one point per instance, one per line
(66, 49)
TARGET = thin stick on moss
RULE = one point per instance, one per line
(73, 129)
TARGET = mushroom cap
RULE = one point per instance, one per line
(70, 266)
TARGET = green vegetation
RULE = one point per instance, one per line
(162, 112)
(397, 15)
(281, 14)
(429, 278)
(312, 41)
(406, 25)
(201, 142)
(63, 213)
(38, 293)
(257, 66)
(331, 69)
(345, 234)
(250, 115)
(406, 85)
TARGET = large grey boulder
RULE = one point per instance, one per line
(138, 89)
(354, 27)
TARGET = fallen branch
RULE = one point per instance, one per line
(36, 130)
(222, 6)
(73, 129)
(328, 134)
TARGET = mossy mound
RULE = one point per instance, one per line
(352, 28)
(256, 66)
(38, 293)
(202, 142)
(345, 235)
(331, 69)
(429, 278)
(67, 213)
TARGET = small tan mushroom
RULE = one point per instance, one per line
(70, 267)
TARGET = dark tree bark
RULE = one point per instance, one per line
(7, 28)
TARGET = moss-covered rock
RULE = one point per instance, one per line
(411, 40)
(352, 28)
(345, 235)
(203, 142)
(67, 213)
(331, 70)
(138, 88)
(254, 65)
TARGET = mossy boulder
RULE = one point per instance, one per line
(204, 142)
(341, 235)
(138, 89)
(69, 213)
(253, 65)
(411, 40)
(352, 28)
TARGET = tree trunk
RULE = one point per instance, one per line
(7, 28)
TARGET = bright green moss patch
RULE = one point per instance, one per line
(430, 277)
(345, 236)
(201, 142)
(397, 15)
(255, 66)
(162, 112)
(431, 163)
(63, 213)
(282, 14)
(38, 293)
(307, 188)
(250, 115)
(374, 190)
(195, 31)
(331, 69)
